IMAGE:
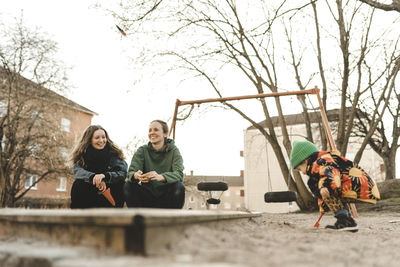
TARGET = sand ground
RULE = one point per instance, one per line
(269, 240)
(291, 240)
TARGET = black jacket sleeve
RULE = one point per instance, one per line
(116, 171)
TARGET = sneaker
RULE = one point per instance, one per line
(344, 223)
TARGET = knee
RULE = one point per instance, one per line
(178, 195)
(178, 189)
(80, 187)
(127, 189)
(324, 192)
(81, 194)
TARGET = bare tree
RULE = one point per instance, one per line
(230, 42)
(385, 140)
(361, 74)
(30, 142)
(394, 6)
(255, 39)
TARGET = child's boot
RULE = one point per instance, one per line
(344, 222)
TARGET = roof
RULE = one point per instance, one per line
(47, 93)
(230, 180)
(296, 119)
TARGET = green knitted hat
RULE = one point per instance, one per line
(301, 151)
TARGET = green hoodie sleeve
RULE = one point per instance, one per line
(137, 163)
(177, 168)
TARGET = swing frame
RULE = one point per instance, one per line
(313, 91)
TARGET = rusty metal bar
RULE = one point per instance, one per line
(232, 98)
(325, 121)
(173, 123)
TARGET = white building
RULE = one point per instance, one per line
(262, 172)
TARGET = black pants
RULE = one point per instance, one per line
(139, 196)
(85, 195)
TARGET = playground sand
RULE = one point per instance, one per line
(291, 240)
(269, 240)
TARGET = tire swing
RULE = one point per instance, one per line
(210, 187)
(278, 196)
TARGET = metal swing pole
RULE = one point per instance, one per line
(331, 143)
(173, 123)
(179, 103)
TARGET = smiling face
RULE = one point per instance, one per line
(99, 139)
(156, 134)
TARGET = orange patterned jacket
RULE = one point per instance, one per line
(342, 177)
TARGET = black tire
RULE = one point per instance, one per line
(212, 186)
(280, 196)
(213, 201)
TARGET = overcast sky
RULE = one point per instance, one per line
(103, 81)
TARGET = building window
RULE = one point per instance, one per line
(242, 192)
(37, 118)
(64, 153)
(34, 149)
(3, 142)
(30, 180)
(61, 184)
(3, 109)
(65, 124)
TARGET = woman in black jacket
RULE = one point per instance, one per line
(98, 167)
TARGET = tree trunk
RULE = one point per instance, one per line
(305, 201)
(2, 188)
(390, 166)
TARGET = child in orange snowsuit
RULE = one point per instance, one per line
(334, 180)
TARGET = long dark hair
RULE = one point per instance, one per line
(86, 140)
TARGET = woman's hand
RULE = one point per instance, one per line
(98, 179)
(102, 187)
(138, 176)
(99, 183)
(159, 178)
(153, 175)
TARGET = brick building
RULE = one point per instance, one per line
(67, 121)
(72, 120)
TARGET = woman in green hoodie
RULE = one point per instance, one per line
(155, 176)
